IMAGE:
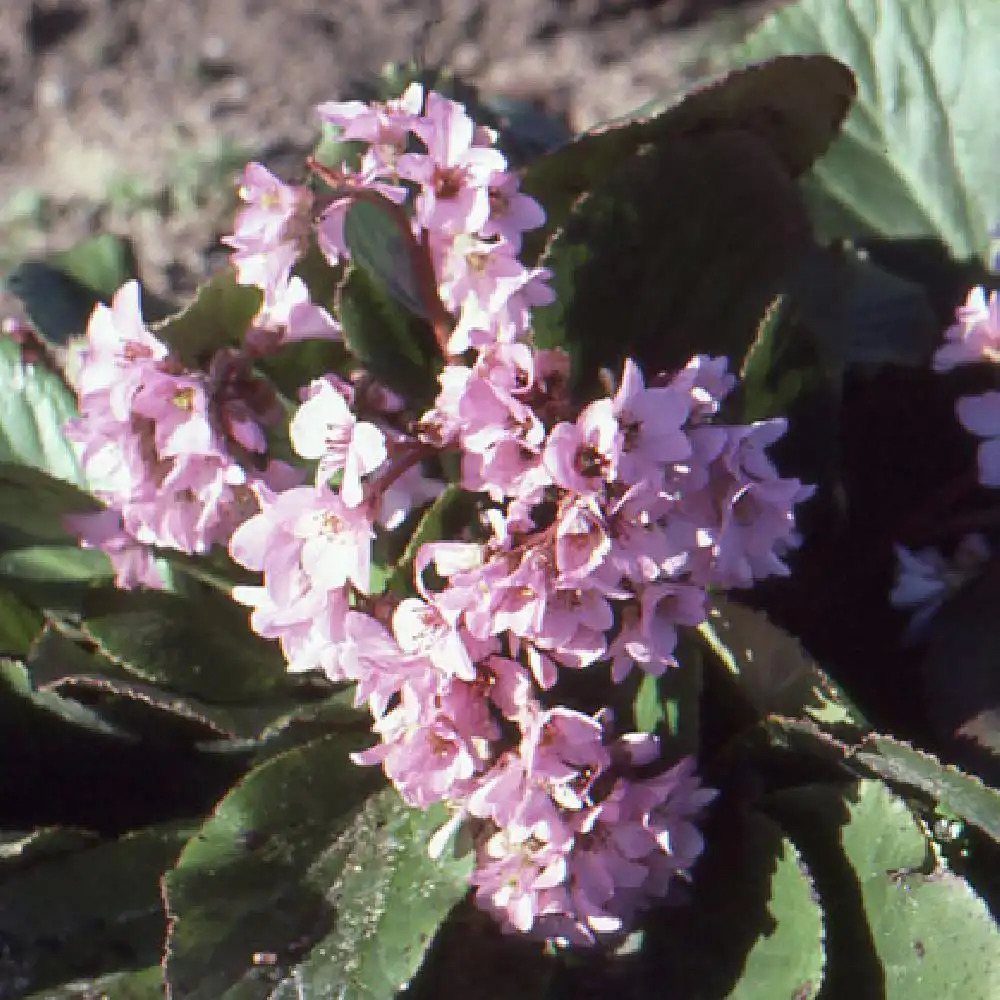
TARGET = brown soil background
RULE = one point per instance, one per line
(135, 116)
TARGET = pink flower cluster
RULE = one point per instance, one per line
(597, 533)
(975, 337)
(174, 454)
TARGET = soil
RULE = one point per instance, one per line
(135, 116)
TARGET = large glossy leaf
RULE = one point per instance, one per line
(752, 927)
(242, 886)
(392, 898)
(771, 669)
(385, 338)
(900, 924)
(200, 646)
(91, 911)
(917, 156)
(679, 252)
(794, 105)
(34, 405)
(302, 862)
(953, 790)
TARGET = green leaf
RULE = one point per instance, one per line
(56, 563)
(20, 624)
(17, 693)
(200, 646)
(101, 264)
(916, 157)
(33, 505)
(91, 911)
(678, 253)
(34, 405)
(144, 985)
(771, 670)
(900, 924)
(247, 882)
(219, 316)
(381, 242)
(60, 292)
(753, 928)
(392, 897)
(385, 338)
(19, 852)
(794, 105)
(670, 705)
(788, 960)
(959, 793)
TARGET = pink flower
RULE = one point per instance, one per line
(980, 415)
(511, 212)
(454, 174)
(582, 457)
(134, 564)
(421, 628)
(976, 334)
(385, 124)
(325, 428)
(651, 422)
(119, 355)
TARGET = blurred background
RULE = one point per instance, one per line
(135, 116)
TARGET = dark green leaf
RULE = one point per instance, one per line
(247, 883)
(679, 253)
(794, 105)
(33, 505)
(101, 264)
(670, 705)
(17, 692)
(752, 928)
(144, 985)
(916, 157)
(861, 314)
(20, 624)
(59, 293)
(961, 794)
(19, 852)
(385, 338)
(219, 317)
(432, 526)
(381, 242)
(59, 563)
(90, 911)
(771, 669)
(392, 898)
(200, 646)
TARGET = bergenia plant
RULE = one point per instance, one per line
(425, 608)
